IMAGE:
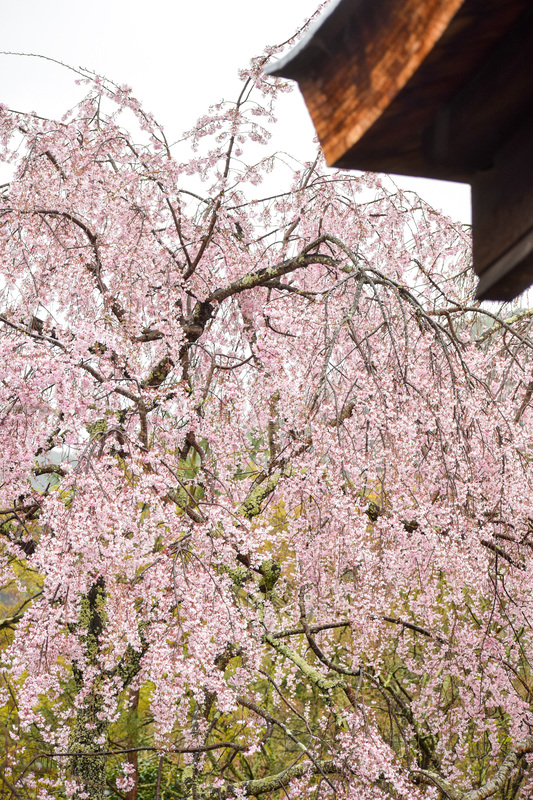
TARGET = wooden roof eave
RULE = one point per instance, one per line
(377, 76)
(439, 89)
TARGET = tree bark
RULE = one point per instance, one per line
(89, 734)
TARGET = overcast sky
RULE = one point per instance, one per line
(179, 56)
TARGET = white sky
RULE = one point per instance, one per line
(179, 57)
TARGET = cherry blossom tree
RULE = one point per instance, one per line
(265, 486)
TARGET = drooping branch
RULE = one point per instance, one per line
(8, 622)
(270, 783)
(262, 276)
(261, 712)
(492, 786)
(321, 682)
(95, 269)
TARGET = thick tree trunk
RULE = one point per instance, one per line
(132, 742)
(89, 734)
(89, 771)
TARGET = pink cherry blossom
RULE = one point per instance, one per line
(265, 465)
